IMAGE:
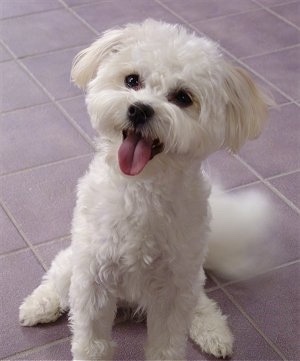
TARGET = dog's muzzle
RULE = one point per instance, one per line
(139, 114)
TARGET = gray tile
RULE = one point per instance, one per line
(76, 108)
(273, 303)
(10, 238)
(42, 135)
(195, 10)
(58, 351)
(53, 71)
(276, 150)
(82, 2)
(290, 11)
(4, 54)
(20, 274)
(109, 14)
(225, 170)
(46, 31)
(42, 200)
(273, 2)
(281, 68)
(18, 90)
(289, 186)
(255, 31)
(48, 251)
(11, 8)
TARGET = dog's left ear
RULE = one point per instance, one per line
(246, 108)
(87, 62)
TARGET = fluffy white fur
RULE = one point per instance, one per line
(143, 238)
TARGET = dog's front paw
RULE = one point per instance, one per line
(213, 335)
(42, 306)
(92, 349)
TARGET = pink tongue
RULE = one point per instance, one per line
(134, 153)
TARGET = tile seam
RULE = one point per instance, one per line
(50, 96)
(32, 350)
(45, 165)
(289, 203)
(269, 10)
(270, 52)
(27, 241)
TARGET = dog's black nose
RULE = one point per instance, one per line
(140, 113)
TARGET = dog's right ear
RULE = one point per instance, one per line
(86, 63)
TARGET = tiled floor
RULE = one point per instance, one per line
(46, 144)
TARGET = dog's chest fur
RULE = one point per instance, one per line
(143, 234)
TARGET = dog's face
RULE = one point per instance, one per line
(156, 93)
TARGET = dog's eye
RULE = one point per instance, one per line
(133, 81)
(182, 99)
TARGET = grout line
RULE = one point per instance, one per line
(60, 100)
(268, 9)
(27, 241)
(36, 349)
(78, 17)
(31, 13)
(273, 269)
(249, 319)
(292, 172)
(24, 108)
(14, 252)
(270, 52)
(269, 185)
(52, 99)
(53, 240)
(225, 51)
(45, 165)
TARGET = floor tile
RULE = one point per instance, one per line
(53, 71)
(256, 33)
(56, 29)
(42, 200)
(280, 68)
(48, 251)
(276, 150)
(11, 239)
(10, 8)
(289, 11)
(4, 54)
(18, 89)
(109, 14)
(81, 2)
(273, 303)
(289, 186)
(76, 108)
(58, 351)
(273, 2)
(195, 10)
(226, 171)
(21, 273)
(42, 134)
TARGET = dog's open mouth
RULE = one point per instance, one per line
(136, 151)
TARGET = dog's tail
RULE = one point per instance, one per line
(239, 233)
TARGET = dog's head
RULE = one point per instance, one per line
(157, 93)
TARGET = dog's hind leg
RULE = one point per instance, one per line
(209, 328)
(51, 298)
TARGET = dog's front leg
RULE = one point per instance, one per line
(92, 312)
(168, 320)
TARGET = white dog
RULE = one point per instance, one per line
(162, 100)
